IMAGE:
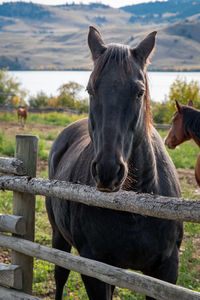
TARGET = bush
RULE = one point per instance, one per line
(68, 97)
(40, 100)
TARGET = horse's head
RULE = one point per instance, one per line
(119, 107)
(177, 134)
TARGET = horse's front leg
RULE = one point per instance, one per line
(96, 289)
(61, 274)
(166, 270)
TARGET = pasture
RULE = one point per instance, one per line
(47, 127)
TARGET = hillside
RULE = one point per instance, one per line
(161, 12)
(55, 37)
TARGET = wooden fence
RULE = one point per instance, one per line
(16, 279)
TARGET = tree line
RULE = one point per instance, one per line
(68, 96)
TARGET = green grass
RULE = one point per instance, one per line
(54, 118)
(8, 117)
(7, 145)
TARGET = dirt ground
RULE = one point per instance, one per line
(13, 128)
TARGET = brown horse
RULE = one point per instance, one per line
(185, 126)
(22, 114)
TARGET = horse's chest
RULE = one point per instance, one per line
(118, 238)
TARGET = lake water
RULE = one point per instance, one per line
(50, 81)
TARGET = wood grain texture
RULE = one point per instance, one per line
(11, 275)
(12, 224)
(145, 204)
(24, 205)
(12, 166)
(119, 277)
(10, 294)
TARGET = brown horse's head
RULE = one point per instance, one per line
(177, 134)
(119, 106)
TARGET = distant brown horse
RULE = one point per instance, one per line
(22, 114)
(185, 126)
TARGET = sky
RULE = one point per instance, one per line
(113, 3)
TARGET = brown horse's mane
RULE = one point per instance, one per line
(191, 122)
(121, 54)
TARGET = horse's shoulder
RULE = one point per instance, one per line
(70, 135)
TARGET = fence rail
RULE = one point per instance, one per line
(24, 249)
(112, 275)
(145, 204)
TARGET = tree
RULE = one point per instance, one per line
(9, 88)
(181, 91)
(158, 112)
(71, 89)
(65, 100)
(40, 100)
(69, 94)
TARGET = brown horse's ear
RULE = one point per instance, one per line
(178, 106)
(95, 42)
(145, 49)
(190, 103)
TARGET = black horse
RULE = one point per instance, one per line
(118, 149)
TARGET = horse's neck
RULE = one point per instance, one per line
(192, 126)
(142, 175)
(195, 138)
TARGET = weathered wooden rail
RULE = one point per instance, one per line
(145, 204)
(19, 276)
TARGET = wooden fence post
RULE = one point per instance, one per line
(24, 205)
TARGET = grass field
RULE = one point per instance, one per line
(44, 126)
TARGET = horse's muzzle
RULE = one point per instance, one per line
(169, 144)
(108, 175)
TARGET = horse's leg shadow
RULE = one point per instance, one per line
(61, 274)
(166, 270)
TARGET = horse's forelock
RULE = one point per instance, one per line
(120, 54)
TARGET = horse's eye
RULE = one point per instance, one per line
(140, 93)
(90, 91)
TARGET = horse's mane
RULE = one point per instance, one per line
(191, 121)
(121, 54)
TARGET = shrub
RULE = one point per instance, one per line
(40, 100)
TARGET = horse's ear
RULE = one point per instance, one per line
(145, 49)
(178, 106)
(95, 42)
(190, 103)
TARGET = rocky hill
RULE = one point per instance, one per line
(55, 37)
